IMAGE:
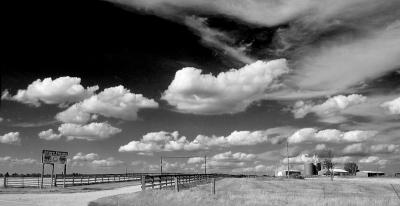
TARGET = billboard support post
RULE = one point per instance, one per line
(53, 157)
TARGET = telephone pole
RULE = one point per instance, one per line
(287, 153)
(205, 164)
(161, 165)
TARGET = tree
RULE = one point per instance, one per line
(351, 167)
(328, 164)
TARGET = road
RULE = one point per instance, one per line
(62, 199)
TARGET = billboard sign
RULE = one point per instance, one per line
(54, 157)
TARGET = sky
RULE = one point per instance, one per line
(117, 84)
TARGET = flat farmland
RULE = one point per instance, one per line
(270, 191)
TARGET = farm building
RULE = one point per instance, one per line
(291, 172)
(370, 173)
(336, 172)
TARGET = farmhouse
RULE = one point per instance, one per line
(370, 173)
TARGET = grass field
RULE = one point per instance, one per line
(271, 191)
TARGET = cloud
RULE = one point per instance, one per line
(10, 138)
(10, 160)
(1, 119)
(61, 91)
(109, 162)
(240, 156)
(94, 160)
(342, 159)
(330, 135)
(385, 148)
(266, 13)
(49, 135)
(354, 149)
(393, 106)
(90, 132)
(320, 147)
(85, 157)
(229, 92)
(73, 114)
(370, 159)
(330, 110)
(165, 141)
(217, 39)
(116, 102)
(302, 158)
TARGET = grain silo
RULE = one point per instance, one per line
(309, 169)
(318, 166)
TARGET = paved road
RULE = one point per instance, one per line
(61, 199)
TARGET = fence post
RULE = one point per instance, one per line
(143, 179)
(95, 179)
(5, 182)
(213, 186)
(55, 180)
(176, 184)
(81, 180)
(88, 180)
(64, 181)
(38, 182)
(73, 180)
(160, 183)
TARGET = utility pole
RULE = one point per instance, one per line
(205, 164)
(287, 153)
(161, 165)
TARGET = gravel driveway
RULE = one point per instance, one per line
(62, 199)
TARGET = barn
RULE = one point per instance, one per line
(291, 172)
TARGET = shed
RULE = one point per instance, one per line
(370, 173)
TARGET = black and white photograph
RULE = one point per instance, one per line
(200, 103)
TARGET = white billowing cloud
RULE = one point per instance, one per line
(370, 159)
(1, 119)
(356, 148)
(49, 135)
(73, 114)
(109, 162)
(63, 90)
(195, 160)
(85, 157)
(384, 148)
(10, 160)
(342, 159)
(330, 135)
(302, 158)
(226, 156)
(10, 138)
(90, 132)
(228, 92)
(117, 102)
(217, 39)
(165, 141)
(393, 106)
(320, 147)
(330, 110)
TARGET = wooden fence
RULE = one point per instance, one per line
(168, 181)
(68, 181)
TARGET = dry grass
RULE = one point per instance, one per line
(246, 192)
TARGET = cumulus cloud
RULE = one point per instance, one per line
(90, 132)
(357, 148)
(330, 110)
(61, 91)
(320, 147)
(10, 138)
(370, 159)
(165, 141)
(94, 160)
(226, 156)
(24, 161)
(302, 158)
(393, 106)
(85, 157)
(330, 135)
(49, 135)
(360, 149)
(116, 102)
(228, 92)
(109, 162)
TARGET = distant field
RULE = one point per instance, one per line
(249, 192)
